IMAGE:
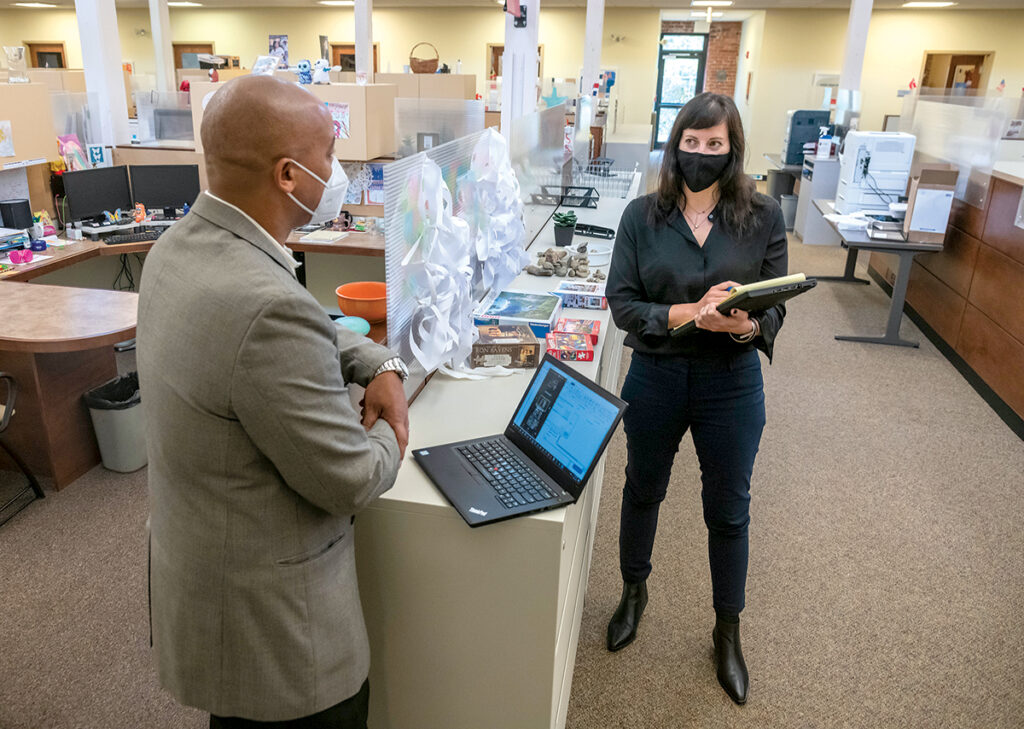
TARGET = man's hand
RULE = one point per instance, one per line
(385, 399)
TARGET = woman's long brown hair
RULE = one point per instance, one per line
(738, 194)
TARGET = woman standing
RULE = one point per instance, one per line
(678, 251)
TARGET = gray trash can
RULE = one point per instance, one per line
(789, 210)
(116, 416)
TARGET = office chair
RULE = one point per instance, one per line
(6, 413)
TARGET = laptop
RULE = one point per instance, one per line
(543, 459)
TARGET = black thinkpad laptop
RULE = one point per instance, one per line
(543, 459)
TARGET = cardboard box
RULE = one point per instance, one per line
(505, 346)
(408, 84)
(370, 114)
(539, 311)
(570, 347)
(447, 85)
(590, 327)
(929, 201)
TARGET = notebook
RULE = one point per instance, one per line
(757, 296)
(544, 458)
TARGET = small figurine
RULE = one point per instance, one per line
(140, 213)
(185, 86)
(321, 71)
(304, 69)
(214, 76)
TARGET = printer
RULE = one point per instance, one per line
(873, 170)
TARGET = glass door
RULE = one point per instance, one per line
(681, 64)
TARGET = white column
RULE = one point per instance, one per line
(364, 39)
(101, 59)
(856, 43)
(592, 46)
(519, 67)
(160, 24)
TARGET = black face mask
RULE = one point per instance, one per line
(701, 170)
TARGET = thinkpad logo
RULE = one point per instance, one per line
(474, 510)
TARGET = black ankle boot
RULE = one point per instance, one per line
(732, 670)
(622, 628)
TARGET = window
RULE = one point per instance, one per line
(681, 62)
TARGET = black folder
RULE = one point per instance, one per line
(755, 301)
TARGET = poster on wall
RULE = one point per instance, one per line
(325, 48)
(339, 115)
(279, 48)
(6, 140)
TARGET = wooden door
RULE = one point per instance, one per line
(496, 51)
(344, 55)
(47, 55)
(190, 47)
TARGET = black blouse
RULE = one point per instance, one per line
(653, 268)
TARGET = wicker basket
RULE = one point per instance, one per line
(423, 65)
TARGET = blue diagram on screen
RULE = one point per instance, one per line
(566, 419)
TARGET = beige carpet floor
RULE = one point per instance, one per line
(885, 584)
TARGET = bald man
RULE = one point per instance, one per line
(258, 461)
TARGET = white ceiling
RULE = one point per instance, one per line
(737, 10)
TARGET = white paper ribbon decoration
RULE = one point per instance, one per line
(494, 211)
(438, 272)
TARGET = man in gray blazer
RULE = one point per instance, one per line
(258, 461)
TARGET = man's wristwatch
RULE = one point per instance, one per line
(396, 365)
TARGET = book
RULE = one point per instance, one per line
(581, 295)
(757, 296)
(590, 327)
(539, 311)
(570, 347)
(506, 346)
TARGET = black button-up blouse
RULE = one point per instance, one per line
(654, 267)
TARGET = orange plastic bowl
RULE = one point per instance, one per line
(366, 299)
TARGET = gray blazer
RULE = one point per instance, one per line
(257, 464)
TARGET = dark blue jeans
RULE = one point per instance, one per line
(721, 400)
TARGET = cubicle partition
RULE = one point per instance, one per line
(422, 124)
(966, 297)
(164, 116)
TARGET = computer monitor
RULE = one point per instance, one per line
(170, 187)
(91, 192)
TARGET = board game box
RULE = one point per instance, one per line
(570, 347)
(505, 346)
(580, 295)
(590, 327)
(537, 310)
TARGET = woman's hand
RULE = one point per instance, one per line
(682, 313)
(710, 318)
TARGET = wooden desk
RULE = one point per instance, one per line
(57, 342)
(855, 240)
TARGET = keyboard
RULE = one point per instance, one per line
(119, 238)
(514, 483)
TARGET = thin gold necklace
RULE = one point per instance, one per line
(700, 214)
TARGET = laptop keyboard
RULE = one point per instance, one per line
(513, 481)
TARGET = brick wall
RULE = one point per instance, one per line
(723, 53)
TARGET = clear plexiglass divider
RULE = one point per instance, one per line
(402, 229)
(164, 115)
(537, 148)
(963, 131)
(422, 124)
(74, 113)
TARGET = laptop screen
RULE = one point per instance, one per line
(565, 421)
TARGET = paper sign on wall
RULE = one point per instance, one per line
(339, 114)
(6, 140)
(98, 155)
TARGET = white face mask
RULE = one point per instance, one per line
(333, 196)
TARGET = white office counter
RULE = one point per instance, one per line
(477, 628)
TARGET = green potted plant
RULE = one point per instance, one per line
(565, 226)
